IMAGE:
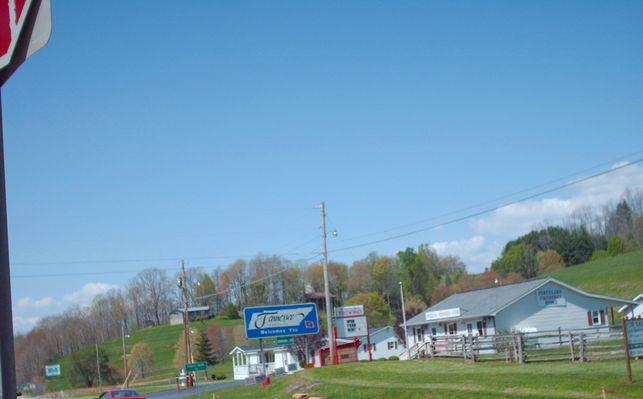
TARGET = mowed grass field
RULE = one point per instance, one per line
(162, 341)
(619, 276)
(451, 379)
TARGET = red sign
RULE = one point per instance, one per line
(12, 19)
(25, 27)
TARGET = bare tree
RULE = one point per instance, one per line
(156, 291)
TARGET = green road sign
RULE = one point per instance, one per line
(200, 366)
(52, 370)
(285, 341)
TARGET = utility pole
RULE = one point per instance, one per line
(186, 327)
(406, 334)
(124, 353)
(100, 382)
(329, 322)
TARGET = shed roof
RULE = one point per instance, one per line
(488, 301)
(256, 348)
(378, 333)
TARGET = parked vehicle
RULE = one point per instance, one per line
(121, 394)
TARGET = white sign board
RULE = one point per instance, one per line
(280, 320)
(349, 311)
(52, 370)
(551, 297)
(351, 327)
(443, 314)
(634, 337)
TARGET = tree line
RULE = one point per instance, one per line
(150, 297)
(587, 234)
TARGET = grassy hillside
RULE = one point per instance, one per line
(620, 276)
(161, 341)
(452, 379)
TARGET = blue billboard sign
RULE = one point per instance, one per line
(280, 320)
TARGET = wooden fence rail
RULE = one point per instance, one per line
(546, 346)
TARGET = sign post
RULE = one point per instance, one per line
(198, 366)
(279, 321)
(351, 322)
(633, 341)
(25, 27)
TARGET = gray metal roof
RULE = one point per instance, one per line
(488, 301)
(478, 303)
(256, 348)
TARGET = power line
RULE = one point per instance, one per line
(361, 245)
(502, 197)
(489, 210)
(72, 274)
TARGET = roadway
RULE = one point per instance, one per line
(174, 394)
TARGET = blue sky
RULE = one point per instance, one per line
(158, 130)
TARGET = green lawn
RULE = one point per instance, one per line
(620, 276)
(452, 379)
(161, 341)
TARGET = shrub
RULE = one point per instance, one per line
(230, 312)
(393, 358)
(599, 254)
(615, 246)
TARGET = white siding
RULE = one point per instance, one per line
(381, 340)
(528, 314)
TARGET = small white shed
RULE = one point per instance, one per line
(384, 344)
(246, 361)
(633, 310)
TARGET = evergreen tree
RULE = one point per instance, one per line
(84, 368)
(204, 352)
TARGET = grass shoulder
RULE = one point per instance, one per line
(451, 379)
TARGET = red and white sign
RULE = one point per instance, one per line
(22, 20)
(443, 314)
(349, 311)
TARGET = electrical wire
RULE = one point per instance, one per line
(361, 245)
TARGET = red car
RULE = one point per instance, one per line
(121, 394)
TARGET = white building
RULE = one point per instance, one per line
(384, 344)
(246, 361)
(531, 306)
(194, 313)
(633, 310)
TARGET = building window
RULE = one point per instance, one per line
(434, 332)
(374, 347)
(596, 317)
(269, 357)
(391, 345)
(365, 348)
(482, 328)
(469, 329)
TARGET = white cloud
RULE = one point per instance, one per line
(475, 252)
(517, 219)
(28, 302)
(23, 324)
(87, 293)
(455, 247)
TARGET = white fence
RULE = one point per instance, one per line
(577, 346)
